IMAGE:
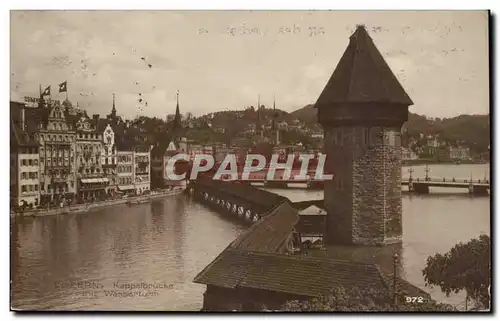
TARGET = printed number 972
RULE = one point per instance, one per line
(414, 299)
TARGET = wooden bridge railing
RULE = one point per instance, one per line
(448, 180)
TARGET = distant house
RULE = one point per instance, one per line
(408, 154)
(459, 153)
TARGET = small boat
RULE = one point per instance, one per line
(138, 202)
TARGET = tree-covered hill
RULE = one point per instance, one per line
(470, 130)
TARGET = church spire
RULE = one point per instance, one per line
(177, 119)
(274, 125)
(113, 110)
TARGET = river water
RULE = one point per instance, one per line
(85, 261)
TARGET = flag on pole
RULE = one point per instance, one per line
(63, 87)
(46, 92)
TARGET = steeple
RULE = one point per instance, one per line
(177, 126)
(274, 125)
(113, 110)
(362, 76)
(259, 126)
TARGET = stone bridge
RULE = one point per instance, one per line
(236, 200)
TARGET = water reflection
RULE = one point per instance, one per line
(165, 242)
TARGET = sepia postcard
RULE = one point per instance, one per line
(250, 161)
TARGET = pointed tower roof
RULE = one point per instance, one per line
(113, 110)
(177, 126)
(275, 115)
(362, 75)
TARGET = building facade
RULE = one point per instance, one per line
(362, 125)
(108, 157)
(125, 171)
(459, 153)
(57, 155)
(92, 181)
(24, 161)
(142, 167)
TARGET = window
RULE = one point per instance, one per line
(30, 162)
(36, 187)
(23, 189)
(24, 162)
(35, 162)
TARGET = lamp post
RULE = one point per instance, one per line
(394, 264)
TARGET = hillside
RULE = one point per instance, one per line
(472, 131)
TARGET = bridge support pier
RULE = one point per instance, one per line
(420, 188)
(480, 191)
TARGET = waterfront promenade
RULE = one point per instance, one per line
(84, 208)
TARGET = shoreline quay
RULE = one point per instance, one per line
(85, 208)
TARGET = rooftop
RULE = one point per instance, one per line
(299, 275)
(362, 75)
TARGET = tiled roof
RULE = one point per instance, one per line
(299, 275)
(271, 233)
(362, 75)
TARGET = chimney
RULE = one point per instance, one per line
(23, 118)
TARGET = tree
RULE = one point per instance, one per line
(355, 300)
(465, 267)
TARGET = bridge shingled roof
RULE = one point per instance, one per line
(247, 192)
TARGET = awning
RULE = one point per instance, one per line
(94, 180)
(126, 187)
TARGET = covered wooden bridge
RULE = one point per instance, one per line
(241, 201)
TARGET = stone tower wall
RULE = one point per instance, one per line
(364, 198)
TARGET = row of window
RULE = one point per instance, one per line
(139, 159)
(51, 188)
(88, 147)
(56, 152)
(57, 138)
(89, 136)
(57, 161)
(29, 175)
(28, 150)
(124, 159)
(57, 126)
(29, 162)
(124, 168)
(29, 188)
(96, 170)
(124, 180)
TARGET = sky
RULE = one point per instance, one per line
(223, 60)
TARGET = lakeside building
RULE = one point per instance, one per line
(92, 181)
(59, 154)
(408, 154)
(24, 159)
(142, 167)
(125, 169)
(459, 153)
(57, 137)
